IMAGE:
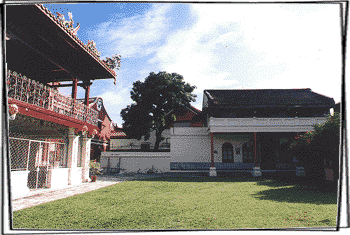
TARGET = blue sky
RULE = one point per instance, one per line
(214, 46)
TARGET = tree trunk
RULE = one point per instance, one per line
(158, 139)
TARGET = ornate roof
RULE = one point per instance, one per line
(75, 37)
(57, 53)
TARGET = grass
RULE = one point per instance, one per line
(187, 203)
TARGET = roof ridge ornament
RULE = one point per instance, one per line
(92, 46)
(68, 24)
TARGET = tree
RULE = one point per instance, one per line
(321, 146)
(154, 98)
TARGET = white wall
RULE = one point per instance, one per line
(236, 140)
(123, 143)
(119, 143)
(138, 161)
(144, 164)
(231, 125)
(190, 144)
(58, 178)
(19, 186)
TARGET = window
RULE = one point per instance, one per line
(238, 150)
(248, 153)
(227, 152)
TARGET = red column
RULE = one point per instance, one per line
(255, 151)
(87, 94)
(74, 88)
(212, 149)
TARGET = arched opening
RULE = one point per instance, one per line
(227, 152)
(248, 152)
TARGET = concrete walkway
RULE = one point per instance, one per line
(40, 196)
(47, 195)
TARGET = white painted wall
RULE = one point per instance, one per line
(264, 124)
(76, 175)
(137, 161)
(125, 143)
(236, 140)
(190, 144)
(58, 178)
(19, 186)
(129, 163)
(144, 164)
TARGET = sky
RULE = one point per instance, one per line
(214, 46)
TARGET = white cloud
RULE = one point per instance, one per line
(112, 97)
(261, 46)
(131, 35)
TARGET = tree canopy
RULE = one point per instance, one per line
(154, 98)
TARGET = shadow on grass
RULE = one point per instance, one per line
(203, 177)
(298, 194)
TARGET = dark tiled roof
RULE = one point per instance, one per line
(190, 108)
(265, 97)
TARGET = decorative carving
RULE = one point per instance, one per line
(114, 62)
(94, 132)
(27, 90)
(92, 46)
(84, 130)
(68, 24)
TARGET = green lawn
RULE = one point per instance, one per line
(192, 203)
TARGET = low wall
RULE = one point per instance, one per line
(58, 178)
(19, 186)
(141, 162)
(220, 166)
(190, 144)
(76, 175)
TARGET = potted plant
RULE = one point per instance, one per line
(94, 170)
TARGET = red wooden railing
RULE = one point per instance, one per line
(33, 92)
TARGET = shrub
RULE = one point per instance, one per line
(319, 149)
(94, 167)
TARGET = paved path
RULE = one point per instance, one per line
(44, 196)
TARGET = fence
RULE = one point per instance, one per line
(37, 157)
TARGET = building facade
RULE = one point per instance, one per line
(49, 133)
(248, 130)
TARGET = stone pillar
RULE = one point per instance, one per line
(256, 169)
(72, 155)
(212, 171)
(85, 158)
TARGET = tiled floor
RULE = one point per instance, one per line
(43, 196)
